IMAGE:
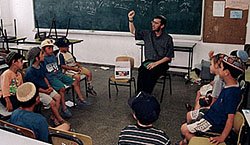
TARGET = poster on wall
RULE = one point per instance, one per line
(237, 4)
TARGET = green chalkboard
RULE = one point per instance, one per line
(183, 16)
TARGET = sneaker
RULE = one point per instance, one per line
(84, 103)
(66, 113)
(91, 90)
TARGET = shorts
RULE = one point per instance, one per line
(198, 114)
(201, 125)
(64, 81)
(46, 99)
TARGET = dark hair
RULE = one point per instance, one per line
(217, 58)
(15, 57)
(163, 20)
(233, 71)
(31, 101)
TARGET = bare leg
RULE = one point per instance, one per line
(197, 105)
(186, 133)
(77, 88)
(55, 107)
(62, 93)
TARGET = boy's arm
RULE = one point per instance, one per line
(70, 68)
(226, 131)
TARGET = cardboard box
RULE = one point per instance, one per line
(122, 70)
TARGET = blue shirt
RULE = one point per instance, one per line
(226, 103)
(34, 121)
(52, 70)
(36, 76)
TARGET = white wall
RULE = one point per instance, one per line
(102, 49)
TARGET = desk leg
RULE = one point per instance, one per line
(141, 54)
(72, 49)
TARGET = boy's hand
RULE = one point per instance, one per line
(131, 15)
(216, 140)
(9, 106)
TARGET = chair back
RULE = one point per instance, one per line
(239, 122)
(126, 58)
(85, 139)
(64, 139)
(22, 130)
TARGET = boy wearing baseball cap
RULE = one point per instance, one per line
(36, 74)
(10, 80)
(28, 96)
(146, 110)
(73, 69)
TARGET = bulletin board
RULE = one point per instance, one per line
(224, 29)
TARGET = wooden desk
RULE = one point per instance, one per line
(9, 138)
(181, 47)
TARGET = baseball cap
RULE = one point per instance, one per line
(25, 92)
(146, 108)
(62, 42)
(10, 57)
(47, 42)
(32, 53)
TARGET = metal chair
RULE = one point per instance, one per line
(238, 125)
(18, 129)
(59, 137)
(122, 82)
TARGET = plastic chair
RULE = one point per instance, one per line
(122, 82)
(238, 125)
(62, 136)
(162, 80)
(18, 129)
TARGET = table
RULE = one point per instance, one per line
(71, 41)
(181, 47)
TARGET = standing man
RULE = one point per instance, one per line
(158, 52)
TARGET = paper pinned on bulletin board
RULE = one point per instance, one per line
(218, 8)
(237, 4)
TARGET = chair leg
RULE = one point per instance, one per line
(116, 88)
(86, 86)
(163, 88)
(130, 89)
(73, 95)
(170, 84)
(109, 89)
(134, 85)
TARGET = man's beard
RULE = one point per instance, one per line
(157, 30)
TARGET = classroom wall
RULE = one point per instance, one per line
(98, 48)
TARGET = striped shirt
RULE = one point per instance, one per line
(136, 135)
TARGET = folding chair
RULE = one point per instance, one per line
(20, 130)
(86, 140)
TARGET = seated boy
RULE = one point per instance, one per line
(28, 96)
(146, 110)
(219, 118)
(36, 74)
(10, 80)
(70, 66)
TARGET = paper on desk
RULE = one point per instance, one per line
(104, 68)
